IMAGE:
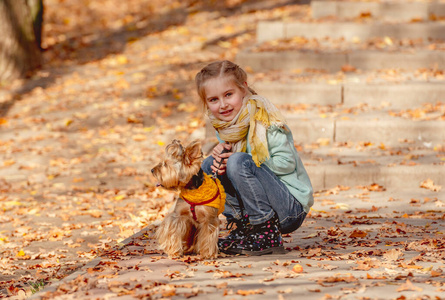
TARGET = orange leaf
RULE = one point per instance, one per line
(408, 286)
(297, 268)
(358, 234)
(250, 292)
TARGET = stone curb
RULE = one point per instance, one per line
(375, 128)
(390, 11)
(405, 95)
(333, 61)
(82, 270)
(272, 30)
(326, 176)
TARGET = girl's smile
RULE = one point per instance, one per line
(223, 97)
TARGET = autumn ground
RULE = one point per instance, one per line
(78, 140)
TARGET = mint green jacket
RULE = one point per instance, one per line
(285, 162)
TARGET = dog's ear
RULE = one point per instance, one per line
(174, 150)
(192, 152)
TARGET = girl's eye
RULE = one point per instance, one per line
(228, 94)
(213, 99)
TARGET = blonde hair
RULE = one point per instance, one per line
(220, 69)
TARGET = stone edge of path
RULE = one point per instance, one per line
(84, 269)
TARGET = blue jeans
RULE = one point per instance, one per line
(263, 194)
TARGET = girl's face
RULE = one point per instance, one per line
(223, 97)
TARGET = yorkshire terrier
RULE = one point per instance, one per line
(193, 225)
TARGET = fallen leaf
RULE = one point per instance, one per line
(297, 268)
(250, 292)
(408, 286)
(358, 234)
(429, 184)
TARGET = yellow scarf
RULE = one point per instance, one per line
(209, 189)
(255, 117)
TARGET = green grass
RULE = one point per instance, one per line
(37, 286)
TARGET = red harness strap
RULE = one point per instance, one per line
(192, 204)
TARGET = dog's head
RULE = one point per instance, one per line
(179, 165)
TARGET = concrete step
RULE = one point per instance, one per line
(392, 95)
(370, 126)
(335, 60)
(387, 10)
(272, 30)
(363, 124)
(355, 164)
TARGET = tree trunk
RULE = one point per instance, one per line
(20, 28)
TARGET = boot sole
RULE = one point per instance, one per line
(274, 250)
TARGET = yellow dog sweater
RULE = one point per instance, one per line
(210, 193)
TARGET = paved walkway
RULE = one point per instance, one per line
(114, 115)
(358, 243)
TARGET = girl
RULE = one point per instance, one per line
(268, 190)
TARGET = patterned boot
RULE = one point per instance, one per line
(262, 239)
(236, 235)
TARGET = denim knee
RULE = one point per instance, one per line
(235, 162)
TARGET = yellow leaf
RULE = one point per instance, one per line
(388, 41)
(3, 121)
(428, 269)
(356, 40)
(68, 122)
(324, 141)
(225, 44)
(21, 253)
(160, 143)
(33, 211)
(122, 59)
(323, 116)
(194, 124)
(342, 206)
(183, 30)
(12, 203)
(119, 197)
(312, 235)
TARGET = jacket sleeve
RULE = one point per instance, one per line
(282, 160)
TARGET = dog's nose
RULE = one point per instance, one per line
(152, 170)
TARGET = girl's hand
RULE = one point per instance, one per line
(220, 159)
